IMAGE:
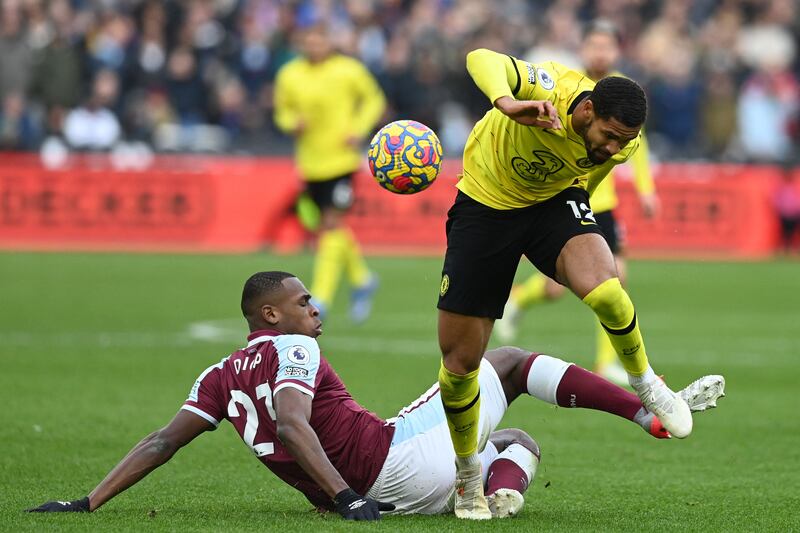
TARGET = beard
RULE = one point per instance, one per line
(596, 156)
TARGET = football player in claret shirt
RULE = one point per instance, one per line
(289, 406)
(600, 52)
(530, 165)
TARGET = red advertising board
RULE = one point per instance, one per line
(187, 203)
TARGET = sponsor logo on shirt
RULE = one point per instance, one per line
(293, 371)
(584, 162)
(542, 166)
(545, 79)
(299, 355)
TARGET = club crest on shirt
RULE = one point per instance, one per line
(545, 79)
(298, 355)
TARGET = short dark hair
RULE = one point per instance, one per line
(260, 284)
(620, 98)
(602, 26)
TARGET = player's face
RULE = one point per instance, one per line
(605, 138)
(298, 315)
(599, 53)
(316, 45)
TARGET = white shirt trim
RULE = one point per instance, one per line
(287, 384)
(259, 340)
(201, 414)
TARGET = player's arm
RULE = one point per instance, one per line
(498, 76)
(287, 117)
(152, 452)
(643, 178)
(292, 414)
(372, 103)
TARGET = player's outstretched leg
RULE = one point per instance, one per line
(586, 265)
(511, 472)
(615, 310)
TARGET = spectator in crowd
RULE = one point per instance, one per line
(18, 128)
(769, 99)
(16, 54)
(92, 126)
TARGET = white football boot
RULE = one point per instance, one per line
(470, 502)
(670, 408)
(703, 393)
(505, 503)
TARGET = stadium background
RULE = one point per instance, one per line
(98, 349)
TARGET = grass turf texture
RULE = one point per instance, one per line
(99, 350)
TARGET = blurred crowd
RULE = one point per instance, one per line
(197, 75)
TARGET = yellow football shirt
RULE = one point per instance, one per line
(508, 165)
(335, 99)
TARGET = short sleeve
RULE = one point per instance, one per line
(536, 81)
(298, 363)
(206, 399)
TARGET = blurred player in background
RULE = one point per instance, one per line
(530, 165)
(600, 52)
(293, 411)
(330, 103)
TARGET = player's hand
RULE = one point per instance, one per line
(650, 205)
(539, 113)
(353, 506)
(77, 506)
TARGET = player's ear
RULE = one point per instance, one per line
(270, 314)
(588, 108)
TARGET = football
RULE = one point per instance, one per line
(405, 157)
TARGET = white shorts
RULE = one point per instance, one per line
(420, 472)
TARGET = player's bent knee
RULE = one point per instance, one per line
(506, 358)
(504, 438)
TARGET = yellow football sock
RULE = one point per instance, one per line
(614, 308)
(606, 354)
(531, 292)
(328, 263)
(461, 396)
(357, 271)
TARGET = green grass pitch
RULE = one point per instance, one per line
(98, 350)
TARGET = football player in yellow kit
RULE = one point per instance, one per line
(530, 165)
(330, 102)
(599, 51)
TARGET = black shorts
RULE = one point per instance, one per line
(485, 245)
(613, 231)
(335, 192)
